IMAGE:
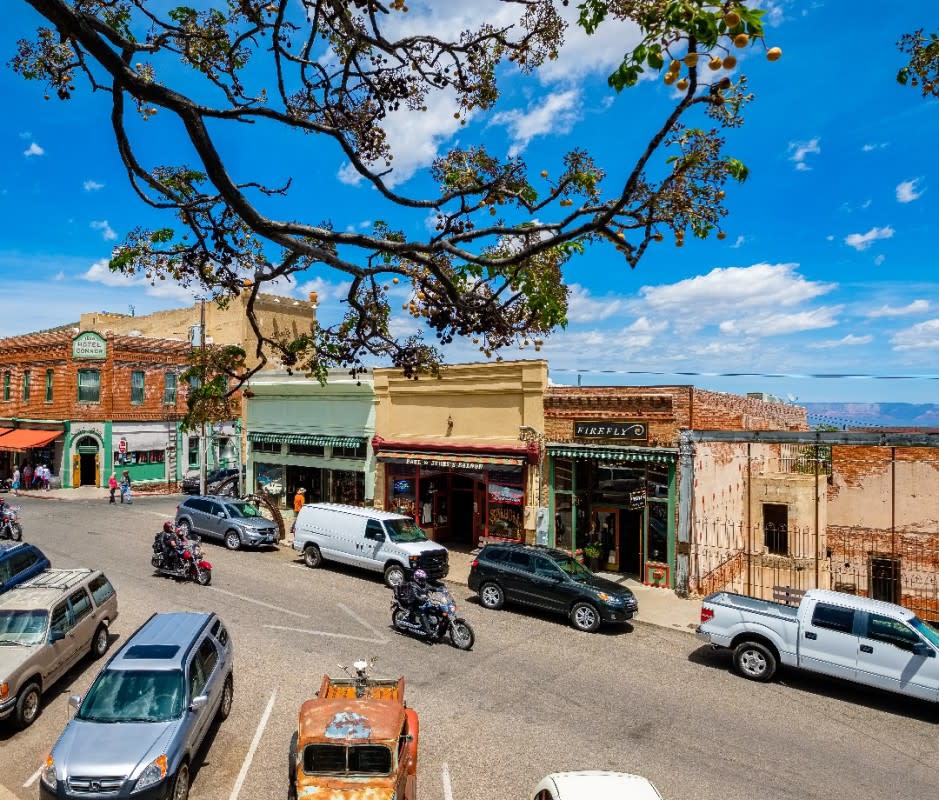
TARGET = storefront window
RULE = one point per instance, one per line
(658, 532)
(316, 450)
(265, 447)
(357, 451)
(269, 478)
(505, 511)
(403, 487)
(616, 485)
(563, 521)
(347, 487)
(563, 474)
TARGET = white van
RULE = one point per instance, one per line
(364, 537)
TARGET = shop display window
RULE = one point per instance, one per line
(348, 487)
(402, 485)
(269, 478)
(658, 532)
(564, 521)
(563, 474)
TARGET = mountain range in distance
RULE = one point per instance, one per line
(881, 415)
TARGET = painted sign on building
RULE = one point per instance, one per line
(601, 429)
(89, 345)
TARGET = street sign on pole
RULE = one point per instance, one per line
(122, 446)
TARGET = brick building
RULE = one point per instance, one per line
(613, 468)
(87, 404)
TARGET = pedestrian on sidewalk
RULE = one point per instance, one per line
(298, 500)
(112, 486)
(28, 476)
(125, 487)
(15, 485)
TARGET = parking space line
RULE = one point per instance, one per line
(246, 764)
(260, 603)
(445, 776)
(327, 633)
(32, 778)
(362, 622)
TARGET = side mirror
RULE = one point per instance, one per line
(923, 649)
(56, 636)
(201, 701)
(74, 700)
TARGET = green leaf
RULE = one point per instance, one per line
(903, 76)
(737, 169)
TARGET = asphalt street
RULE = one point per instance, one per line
(534, 696)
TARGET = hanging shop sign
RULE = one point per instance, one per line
(602, 429)
(637, 499)
(89, 345)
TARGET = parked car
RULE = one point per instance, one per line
(595, 785)
(365, 537)
(19, 562)
(136, 732)
(213, 479)
(237, 523)
(866, 641)
(550, 579)
(47, 624)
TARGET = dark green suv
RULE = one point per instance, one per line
(549, 579)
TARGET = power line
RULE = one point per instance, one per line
(791, 375)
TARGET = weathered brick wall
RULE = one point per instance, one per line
(717, 411)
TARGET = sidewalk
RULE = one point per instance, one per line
(660, 607)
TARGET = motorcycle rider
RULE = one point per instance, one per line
(170, 542)
(417, 600)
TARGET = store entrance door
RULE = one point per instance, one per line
(630, 541)
(605, 526)
(88, 462)
(461, 516)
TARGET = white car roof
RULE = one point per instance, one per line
(598, 785)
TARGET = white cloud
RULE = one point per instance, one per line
(872, 146)
(556, 114)
(740, 242)
(916, 307)
(846, 341)
(100, 273)
(861, 241)
(107, 232)
(880, 259)
(59, 276)
(761, 325)
(349, 175)
(33, 150)
(25, 135)
(799, 150)
(582, 307)
(325, 290)
(908, 191)
(92, 186)
(923, 336)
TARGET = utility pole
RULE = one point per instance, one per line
(202, 448)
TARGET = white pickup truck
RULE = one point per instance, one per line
(865, 641)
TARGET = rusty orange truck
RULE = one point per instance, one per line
(355, 740)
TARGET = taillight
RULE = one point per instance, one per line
(707, 614)
(475, 563)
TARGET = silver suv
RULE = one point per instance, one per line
(136, 732)
(237, 523)
(46, 625)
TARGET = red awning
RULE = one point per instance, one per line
(20, 439)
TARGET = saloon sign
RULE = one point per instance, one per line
(89, 345)
(600, 429)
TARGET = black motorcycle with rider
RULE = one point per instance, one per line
(428, 611)
(178, 556)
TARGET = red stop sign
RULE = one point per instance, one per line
(122, 446)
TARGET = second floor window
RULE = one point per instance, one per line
(6, 385)
(26, 377)
(169, 389)
(136, 387)
(89, 386)
(50, 375)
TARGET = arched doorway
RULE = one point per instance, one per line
(86, 462)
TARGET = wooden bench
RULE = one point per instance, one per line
(788, 595)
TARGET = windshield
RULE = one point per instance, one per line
(573, 568)
(929, 632)
(123, 695)
(23, 627)
(242, 510)
(404, 530)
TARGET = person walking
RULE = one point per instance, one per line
(28, 476)
(15, 483)
(298, 500)
(125, 487)
(112, 487)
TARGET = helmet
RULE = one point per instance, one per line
(168, 527)
(420, 576)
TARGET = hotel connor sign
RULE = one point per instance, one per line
(89, 345)
(619, 430)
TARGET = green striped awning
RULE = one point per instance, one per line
(307, 439)
(595, 453)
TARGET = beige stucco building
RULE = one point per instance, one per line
(456, 452)
(223, 326)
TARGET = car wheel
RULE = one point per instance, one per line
(585, 617)
(394, 575)
(186, 526)
(27, 706)
(232, 540)
(228, 695)
(312, 556)
(181, 783)
(755, 661)
(100, 642)
(491, 596)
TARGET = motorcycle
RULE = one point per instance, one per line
(189, 564)
(10, 527)
(441, 613)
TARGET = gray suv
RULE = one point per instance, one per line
(139, 727)
(47, 624)
(237, 523)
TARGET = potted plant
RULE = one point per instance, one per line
(592, 554)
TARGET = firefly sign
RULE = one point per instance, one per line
(600, 429)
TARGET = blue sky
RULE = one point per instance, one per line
(829, 266)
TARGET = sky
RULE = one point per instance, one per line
(829, 266)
